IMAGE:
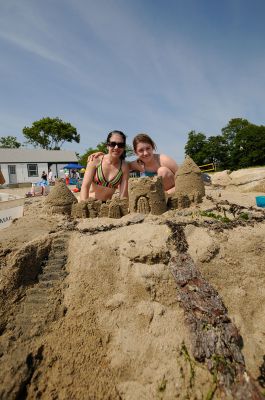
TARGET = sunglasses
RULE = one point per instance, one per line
(120, 145)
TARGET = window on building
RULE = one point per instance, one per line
(32, 170)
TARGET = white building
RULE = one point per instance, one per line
(27, 165)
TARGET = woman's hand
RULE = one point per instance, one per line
(94, 156)
(87, 180)
(141, 165)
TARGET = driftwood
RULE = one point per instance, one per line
(215, 339)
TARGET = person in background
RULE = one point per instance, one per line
(107, 172)
(44, 176)
(50, 177)
(2, 179)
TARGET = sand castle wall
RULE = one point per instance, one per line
(92, 208)
(146, 195)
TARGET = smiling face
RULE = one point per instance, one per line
(144, 151)
(144, 147)
(116, 145)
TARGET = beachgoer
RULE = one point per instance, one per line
(150, 163)
(107, 172)
(50, 177)
(44, 176)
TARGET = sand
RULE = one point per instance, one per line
(90, 308)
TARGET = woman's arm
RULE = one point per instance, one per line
(94, 156)
(136, 165)
(166, 161)
(88, 178)
(124, 181)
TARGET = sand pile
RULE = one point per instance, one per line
(59, 200)
(116, 308)
(188, 181)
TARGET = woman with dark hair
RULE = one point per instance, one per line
(107, 172)
(151, 164)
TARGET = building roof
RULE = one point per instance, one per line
(34, 155)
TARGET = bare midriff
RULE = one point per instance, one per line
(100, 192)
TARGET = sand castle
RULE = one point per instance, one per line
(189, 185)
(59, 200)
(146, 196)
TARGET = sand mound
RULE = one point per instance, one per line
(60, 196)
(189, 182)
(59, 200)
(143, 307)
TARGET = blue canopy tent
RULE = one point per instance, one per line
(73, 166)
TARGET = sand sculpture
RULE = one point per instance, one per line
(59, 200)
(146, 195)
(92, 208)
(189, 185)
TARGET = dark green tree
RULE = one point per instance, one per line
(249, 147)
(235, 125)
(196, 147)
(50, 133)
(9, 142)
(101, 147)
(241, 145)
(216, 151)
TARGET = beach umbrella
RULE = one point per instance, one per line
(73, 166)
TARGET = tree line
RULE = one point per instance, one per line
(46, 133)
(240, 145)
(50, 134)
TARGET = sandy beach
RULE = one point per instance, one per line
(90, 308)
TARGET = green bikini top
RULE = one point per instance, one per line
(100, 180)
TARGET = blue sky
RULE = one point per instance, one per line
(164, 67)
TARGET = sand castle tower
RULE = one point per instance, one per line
(189, 184)
(59, 200)
(146, 195)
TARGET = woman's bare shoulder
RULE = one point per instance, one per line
(165, 158)
(167, 161)
(125, 165)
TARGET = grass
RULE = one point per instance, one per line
(185, 353)
(214, 216)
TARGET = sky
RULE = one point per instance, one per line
(162, 67)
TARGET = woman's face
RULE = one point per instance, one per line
(116, 145)
(144, 151)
